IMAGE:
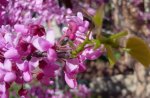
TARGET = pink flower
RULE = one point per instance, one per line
(72, 68)
(52, 56)
(21, 29)
(72, 82)
(24, 71)
(7, 73)
(41, 44)
(10, 77)
(48, 71)
(92, 54)
(77, 26)
(27, 76)
(11, 53)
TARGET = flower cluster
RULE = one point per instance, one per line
(28, 11)
(77, 32)
(29, 52)
(22, 51)
(40, 11)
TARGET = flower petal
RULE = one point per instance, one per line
(23, 66)
(20, 28)
(9, 77)
(72, 65)
(52, 56)
(41, 44)
(7, 65)
(12, 53)
(72, 83)
(26, 76)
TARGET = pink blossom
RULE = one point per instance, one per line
(77, 26)
(92, 54)
(12, 53)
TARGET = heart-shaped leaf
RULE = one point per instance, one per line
(139, 50)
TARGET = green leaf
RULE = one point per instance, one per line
(139, 50)
(98, 17)
(110, 55)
